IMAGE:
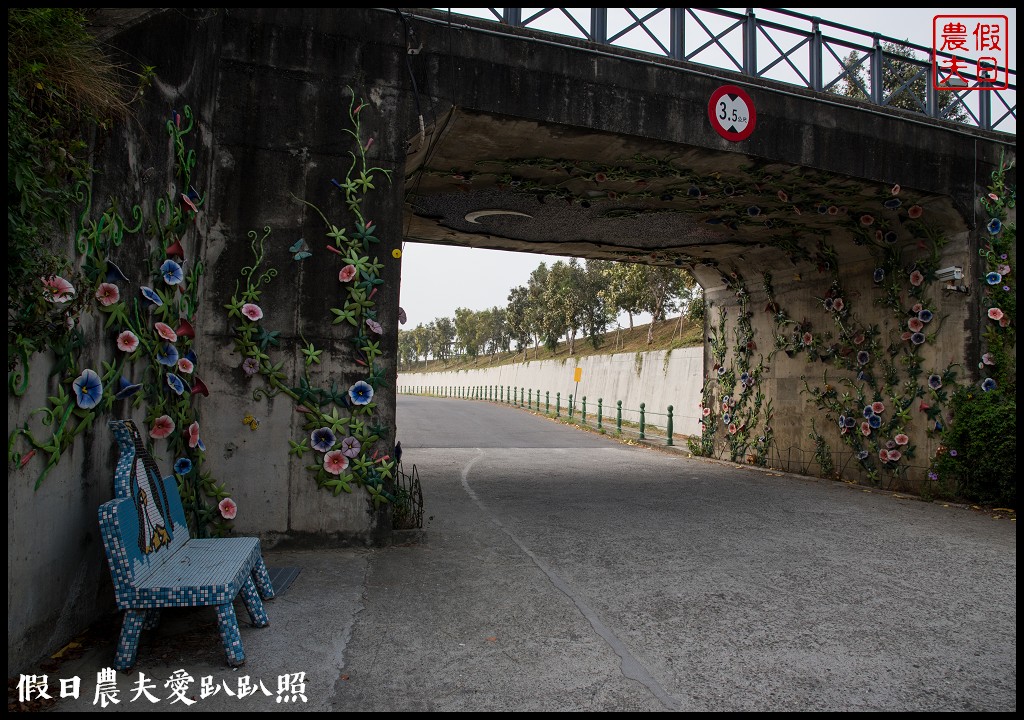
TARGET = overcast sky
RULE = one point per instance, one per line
(485, 277)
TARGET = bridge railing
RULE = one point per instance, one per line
(791, 47)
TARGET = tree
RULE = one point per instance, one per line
(516, 317)
(904, 83)
(442, 337)
(622, 287)
(467, 328)
(536, 307)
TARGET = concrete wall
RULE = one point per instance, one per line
(270, 93)
(657, 379)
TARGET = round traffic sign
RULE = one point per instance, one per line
(732, 113)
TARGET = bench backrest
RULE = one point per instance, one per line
(145, 523)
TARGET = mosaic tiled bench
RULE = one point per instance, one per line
(155, 564)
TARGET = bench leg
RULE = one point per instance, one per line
(254, 605)
(227, 626)
(128, 644)
(152, 620)
(262, 579)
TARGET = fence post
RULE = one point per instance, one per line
(668, 440)
(502, 393)
(618, 417)
(583, 413)
(642, 437)
(600, 401)
(515, 396)
(558, 404)
(547, 401)
(529, 399)
(538, 399)
(522, 396)
(570, 405)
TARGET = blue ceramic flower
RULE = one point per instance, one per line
(323, 439)
(994, 226)
(891, 237)
(183, 466)
(986, 385)
(892, 203)
(925, 316)
(88, 389)
(875, 422)
(863, 356)
(862, 455)
(360, 393)
(174, 383)
(917, 338)
(934, 382)
(851, 421)
(126, 388)
(993, 278)
(150, 296)
(879, 275)
(172, 272)
(167, 355)
(868, 412)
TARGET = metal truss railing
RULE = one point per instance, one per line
(793, 48)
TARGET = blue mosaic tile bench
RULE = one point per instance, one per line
(155, 564)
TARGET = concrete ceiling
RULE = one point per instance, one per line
(491, 181)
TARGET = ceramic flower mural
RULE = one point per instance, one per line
(127, 341)
(107, 294)
(171, 272)
(228, 508)
(88, 389)
(57, 290)
(360, 393)
(252, 312)
(161, 427)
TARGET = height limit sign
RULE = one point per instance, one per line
(732, 113)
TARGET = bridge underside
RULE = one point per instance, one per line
(489, 181)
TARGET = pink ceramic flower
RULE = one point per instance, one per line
(108, 294)
(865, 428)
(162, 427)
(127, 341)
(252, 311)
(883, 455)
(193, 434)
(347, 273)
(374, 325)
(916, 278)
(995, 314)
(894, 455)
(915, 211)
(901, 439)
(57, 289)
(186, 366)
(228, 508)
(878, 407)
(164, 330)
(335, 462)
(915, 324)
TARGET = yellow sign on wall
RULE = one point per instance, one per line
(577, 375)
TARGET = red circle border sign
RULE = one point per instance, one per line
(727, 96)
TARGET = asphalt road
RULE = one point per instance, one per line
(562, 570)
(559, 570)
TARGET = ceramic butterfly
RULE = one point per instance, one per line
(300, 250)
(252, 422)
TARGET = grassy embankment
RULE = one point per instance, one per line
(668, 334)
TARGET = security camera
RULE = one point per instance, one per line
(950, 273)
